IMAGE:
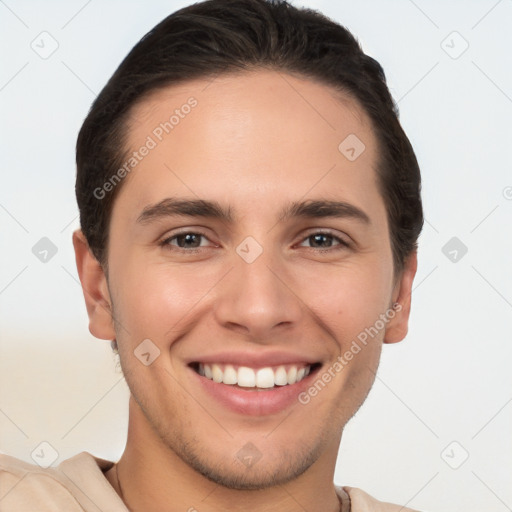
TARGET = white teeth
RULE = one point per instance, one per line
(230, 375)
(265, 378)
(246, 377)
(280, 377)
(292, 375)
(216, 373)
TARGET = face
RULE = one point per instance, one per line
(248, 252)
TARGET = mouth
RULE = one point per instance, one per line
(252, 383)
(248, 378)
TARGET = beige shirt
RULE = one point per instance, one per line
(78, 484)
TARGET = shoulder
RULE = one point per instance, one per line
(360, 501)
(25, 486)
(69, 486)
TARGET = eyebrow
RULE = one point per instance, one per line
(212, 209)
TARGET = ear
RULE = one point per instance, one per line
(397, 327)
(94, 286)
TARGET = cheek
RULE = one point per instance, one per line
(348, 299)
(157, 300)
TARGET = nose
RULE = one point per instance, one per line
(258, 299)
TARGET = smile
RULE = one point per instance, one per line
(254, 383)
(257, 378)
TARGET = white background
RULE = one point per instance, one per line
(450, 380)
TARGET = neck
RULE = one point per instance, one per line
(153, 478)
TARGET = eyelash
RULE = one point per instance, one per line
(166, 242)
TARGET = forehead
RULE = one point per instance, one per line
(245, 136)
(257, 98)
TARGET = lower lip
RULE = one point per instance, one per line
(255, 402)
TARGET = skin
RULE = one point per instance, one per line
(254, 142)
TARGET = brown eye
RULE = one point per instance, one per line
(325, 240)
(188, 240)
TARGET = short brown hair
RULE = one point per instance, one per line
(218, 36)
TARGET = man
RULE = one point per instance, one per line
(249, 208)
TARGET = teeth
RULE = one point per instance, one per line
(246, 377)
(292, 375)
(280, 377)
(230, 375)
(265, 378)
(216, 373)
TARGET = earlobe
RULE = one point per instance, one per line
(95, 289)
(398, 325)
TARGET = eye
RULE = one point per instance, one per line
(186, 240)
(192, 241)
(324, 240)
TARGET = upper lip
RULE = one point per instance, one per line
(254, 359)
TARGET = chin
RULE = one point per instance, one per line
(268, 471)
